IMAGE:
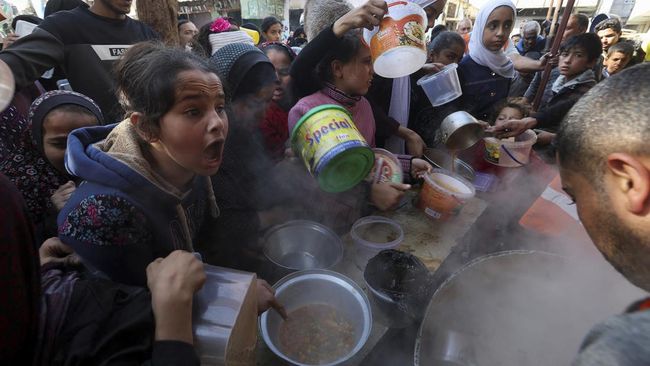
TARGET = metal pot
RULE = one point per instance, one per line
(460, 130)
(442, 159)
(319, 287)
(519, 308)
(299, 245)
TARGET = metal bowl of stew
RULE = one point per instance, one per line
(329, 319)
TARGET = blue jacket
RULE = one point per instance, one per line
(482, 88)
(123, 215)
(539, 46)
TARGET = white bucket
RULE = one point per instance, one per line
(398, 44)
(443, 86)
(510, 154)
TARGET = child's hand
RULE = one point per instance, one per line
(54, 250)
(366, 16)
(512, 127)
(420, 167)
(62, 195)
(386, 196)
(175, 278)
(414, 143)
(432, 68)
(266, 299)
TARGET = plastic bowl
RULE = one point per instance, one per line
(298, 245)
(442, 87)
(444, 193)
(510, 154)
(372, 234)
(319, 287)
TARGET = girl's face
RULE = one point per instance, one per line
(274, 33)
(450, 55)
(509, 113)
(281, 62)
(498, 28)
(355, 76)
(193, 132)
(57, 125)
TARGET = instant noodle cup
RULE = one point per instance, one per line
(387, 168)
(443, 194)
(398, 44)
(332, 148)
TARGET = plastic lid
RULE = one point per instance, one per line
(358, 233)
(346, 169)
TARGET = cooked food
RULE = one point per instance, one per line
(316, 334)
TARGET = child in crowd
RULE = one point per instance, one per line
(344, 67)
(147, 190)
(275, 122)
(486, 72)
(578, 55)
(447, 48)
(618, 57)
(35, 162)
(271, 29)
(511, 109)
(217, 34)
(245, 188)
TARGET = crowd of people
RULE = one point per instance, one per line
(161, 151)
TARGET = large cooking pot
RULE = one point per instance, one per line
(519, 308)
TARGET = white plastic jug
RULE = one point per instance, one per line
(225, 318)
(398, 45)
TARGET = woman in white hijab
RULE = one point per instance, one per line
(486, 72)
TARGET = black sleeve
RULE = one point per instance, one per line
(534, 85)
(173, 353)
(32, 55)
(385, 126)
(303, 71)
(550, 117)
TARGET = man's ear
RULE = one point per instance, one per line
(632, 180)
(145, 133)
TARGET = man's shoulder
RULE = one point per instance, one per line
(620, 340)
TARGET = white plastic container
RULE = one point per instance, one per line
(398, 45)
(372, 234)
(443, 86)
(510, 154)
(225, 318)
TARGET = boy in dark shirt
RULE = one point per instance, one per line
(578, 55)
(85, 43)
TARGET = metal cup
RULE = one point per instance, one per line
(460, 130)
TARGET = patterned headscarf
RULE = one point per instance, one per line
(22, 158)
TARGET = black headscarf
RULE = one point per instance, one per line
(243, 68)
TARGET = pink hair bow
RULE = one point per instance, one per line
(220, 25)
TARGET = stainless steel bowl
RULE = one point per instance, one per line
(319, 287)
(442, 159)
(460, 130)
(298, 245)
